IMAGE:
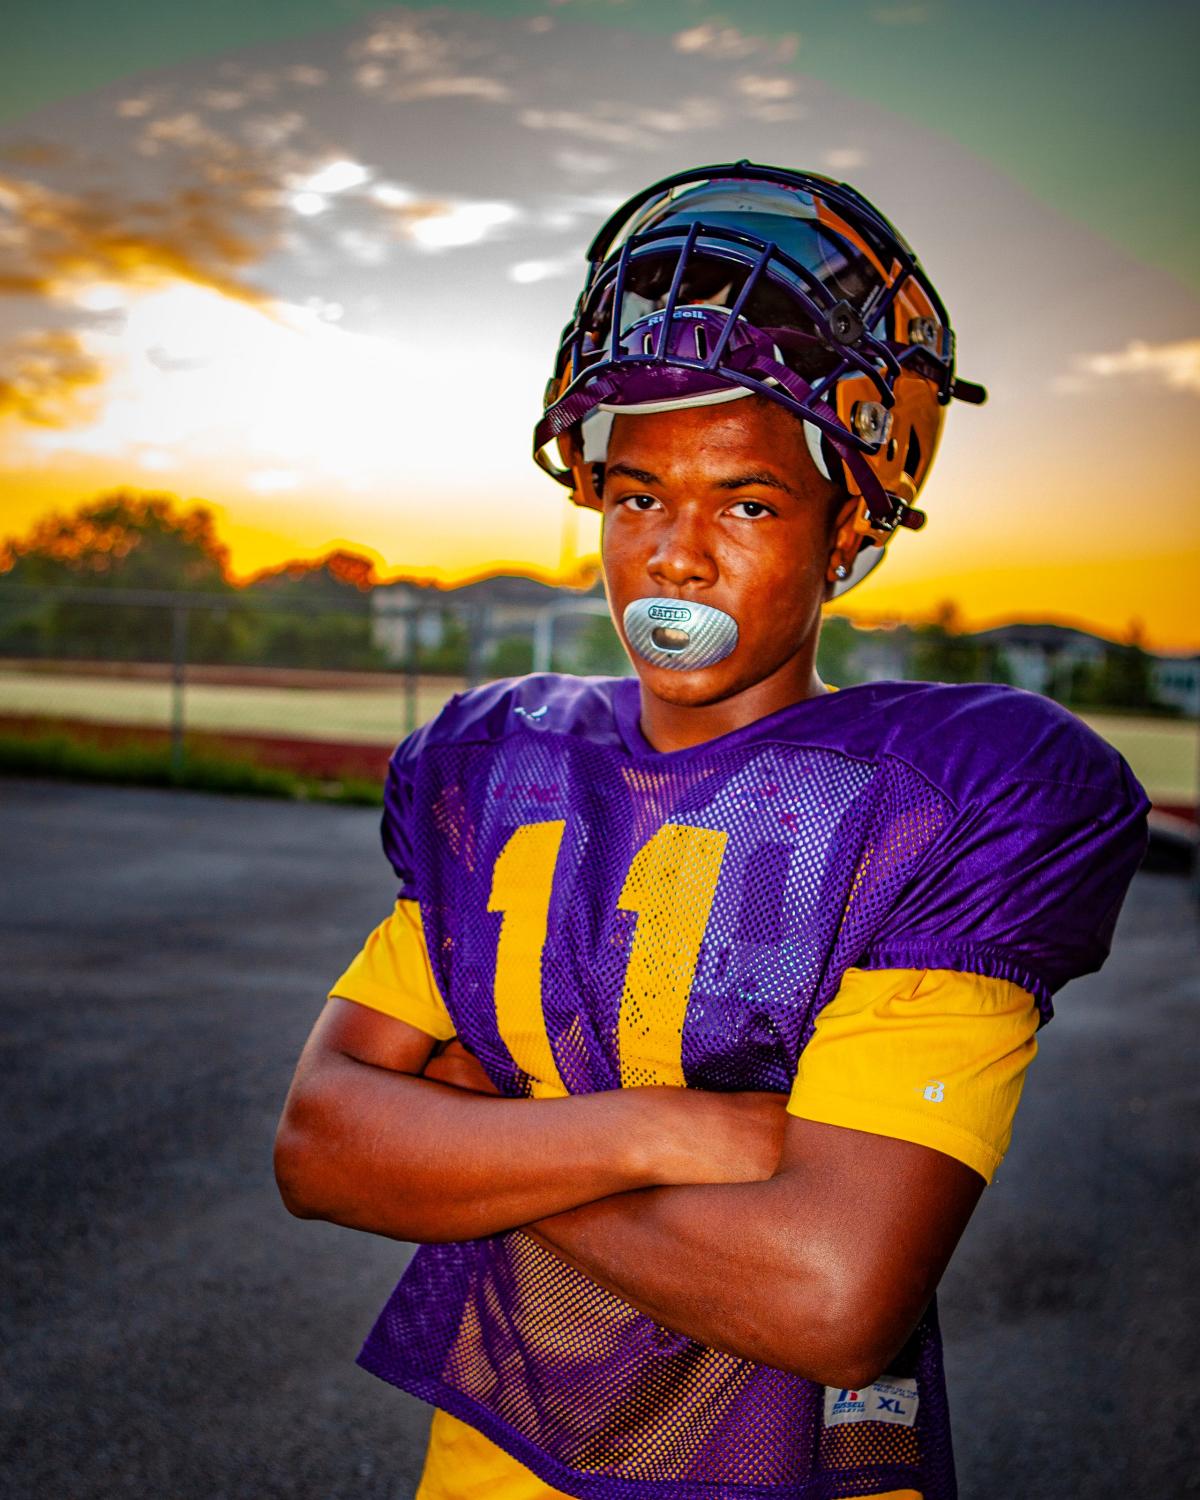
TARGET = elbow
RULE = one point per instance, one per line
(301, 1160)
(290, 1172)
(839, 1340)
(851, 1369)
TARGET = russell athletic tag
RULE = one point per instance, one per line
(890, 1399)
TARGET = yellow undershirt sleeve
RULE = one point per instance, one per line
(924, 1055)
(393, 974)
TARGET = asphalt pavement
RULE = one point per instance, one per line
(169, 1332)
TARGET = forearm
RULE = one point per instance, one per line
(725, 1265)
(418, 1160)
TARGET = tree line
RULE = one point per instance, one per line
(300, 615)
(318, 614)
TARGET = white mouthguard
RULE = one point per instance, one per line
(679, 635)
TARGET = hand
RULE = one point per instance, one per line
(456, 1065)
(702, 1137)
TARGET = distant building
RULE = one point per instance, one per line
(492, 610)
(1042, 657)
(881, 655)
(393, 605)
(1176, 681)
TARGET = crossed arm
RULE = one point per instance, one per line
(803, 1246)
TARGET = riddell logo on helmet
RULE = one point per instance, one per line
(678, 614)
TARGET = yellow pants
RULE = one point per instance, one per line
(461, 1464)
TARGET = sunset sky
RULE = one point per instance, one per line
(308, 262)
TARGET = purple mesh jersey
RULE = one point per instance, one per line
(599, 914)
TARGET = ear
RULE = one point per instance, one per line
(847, 538)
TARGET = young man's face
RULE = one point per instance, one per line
(722, 505)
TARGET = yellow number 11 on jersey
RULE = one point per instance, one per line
(670, 885)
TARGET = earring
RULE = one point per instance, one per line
(841, 571)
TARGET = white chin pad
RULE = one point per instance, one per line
(679, 635)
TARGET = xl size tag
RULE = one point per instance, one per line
(891, 1399)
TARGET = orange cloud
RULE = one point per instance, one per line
(222, 216)
(47, 379)
(31, 153)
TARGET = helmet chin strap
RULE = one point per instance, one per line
(884, 509)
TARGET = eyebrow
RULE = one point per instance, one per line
(768, 481)
(734, 482)
(639, 476)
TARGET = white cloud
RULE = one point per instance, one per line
(391, 194)
(370, 76)
(688, 114)
(222, 99)
(1174, 365)
(618, 123)
(402, 37)
(330, 312)
(310, 192)
(575, 122)
(583, 163)
(768, 97)
(363, 248)
(459, 224)
(187, 130)
(710, 40)
(764, 86)
(845, 158)
(308, 205)
(778, 114)
(458, 86)
(526, 272)
(306, 77)
(266, 132)
(336, 177)
(400, 59)
(273, 481)
(100, 297)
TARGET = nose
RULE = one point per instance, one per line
(682, 554)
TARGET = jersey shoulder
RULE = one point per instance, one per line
(971, 739)
(540, 703)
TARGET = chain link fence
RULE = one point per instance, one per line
(319, 686)
(325, 688)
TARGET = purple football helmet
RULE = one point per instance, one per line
(738, 280)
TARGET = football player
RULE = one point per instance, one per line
(699, 1024)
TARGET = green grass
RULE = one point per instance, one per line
(1164, 753)
(365, 715)
(131, 764)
